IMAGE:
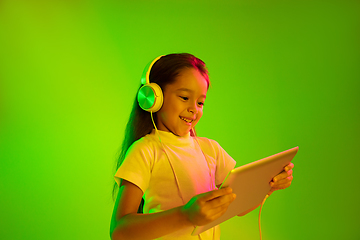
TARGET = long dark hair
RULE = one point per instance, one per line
(163, 72)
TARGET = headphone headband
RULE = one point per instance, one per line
(146, 74)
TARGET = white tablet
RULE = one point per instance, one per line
(250, 183)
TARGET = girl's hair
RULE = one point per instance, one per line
(163, 72)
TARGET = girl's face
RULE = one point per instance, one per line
(183, 103)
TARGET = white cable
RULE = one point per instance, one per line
(172, 168)
(262, 203)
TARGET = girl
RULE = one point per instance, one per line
(168, 177)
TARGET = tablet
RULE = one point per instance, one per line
(250, 183)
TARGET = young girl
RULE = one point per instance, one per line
(168, 177)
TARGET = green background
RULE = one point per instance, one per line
(283, 73)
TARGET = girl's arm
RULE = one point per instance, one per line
(126, 223)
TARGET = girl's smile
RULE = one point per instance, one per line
(183, 103)
(188, 121)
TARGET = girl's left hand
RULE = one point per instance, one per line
(283, 179)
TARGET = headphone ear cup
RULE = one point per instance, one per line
(150, 97)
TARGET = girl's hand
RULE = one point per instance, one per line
(283, 179)
(206, 207)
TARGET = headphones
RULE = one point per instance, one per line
(150, 96)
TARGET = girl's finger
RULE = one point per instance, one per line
(282, 175)
(215, 194)
(282, 181)
(282, 186)
(222, 201)
(289, 166)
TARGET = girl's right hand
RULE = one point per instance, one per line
(206, 207)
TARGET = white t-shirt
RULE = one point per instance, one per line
(153, 171)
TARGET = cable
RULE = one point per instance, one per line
(172, 167)
(177, 182)
(208, 164)
(260, 214)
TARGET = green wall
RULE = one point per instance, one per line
(283, 73)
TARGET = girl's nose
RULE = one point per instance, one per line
(192, 108)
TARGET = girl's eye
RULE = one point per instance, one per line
(185, 98)
(201, 103)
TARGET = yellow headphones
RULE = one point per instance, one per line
(150, 96)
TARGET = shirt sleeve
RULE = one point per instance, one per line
(136, 167)
(224, 163)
